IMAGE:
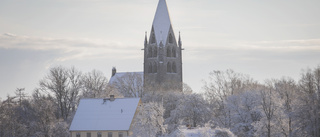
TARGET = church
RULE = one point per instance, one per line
(162, 67)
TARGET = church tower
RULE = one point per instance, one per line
(162, 53)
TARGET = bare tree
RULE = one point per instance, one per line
(268, 104)
(20, 94)
(287, 90)
(65, 85)
(221, 85)
(129, 84)
(149, 120)
(308, 109)
(191, 110)
(95, 84)
(45, 110)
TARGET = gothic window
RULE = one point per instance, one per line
(155, 51)
(174, 67)
(168, 67)
(170, 38)
(153, 38)
(155, 68)
(150, 52)
(150, 68)
(168, 51)
(173, 52)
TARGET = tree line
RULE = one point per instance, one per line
(230, 101)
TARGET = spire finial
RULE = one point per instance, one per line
(160, 36)
(145, 40)
(180, 43)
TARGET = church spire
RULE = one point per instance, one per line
(145, 40)
(161, 22)
(179, 42)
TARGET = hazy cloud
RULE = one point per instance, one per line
(69, 48)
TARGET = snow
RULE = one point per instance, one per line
(95, 114)
(161, 23)
(118, 75)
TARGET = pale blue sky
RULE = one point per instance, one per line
(265, 39)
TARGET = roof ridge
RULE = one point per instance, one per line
(106, 97)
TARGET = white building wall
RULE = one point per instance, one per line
(95, 133)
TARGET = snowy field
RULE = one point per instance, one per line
(202, 132)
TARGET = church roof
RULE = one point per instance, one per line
(104, 115)
(161, 22)
(114, 79)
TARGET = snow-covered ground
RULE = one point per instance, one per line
(202, 132)
(196, 132)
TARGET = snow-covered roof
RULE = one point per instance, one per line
(118, 75)
(100, 115)
(161, 22)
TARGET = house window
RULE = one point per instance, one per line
(88, 134)
(99, 134)
(78, 135)
(120, 134)
(109, 134)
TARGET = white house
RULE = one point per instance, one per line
(109, 117)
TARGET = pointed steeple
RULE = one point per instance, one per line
(179, 42)
(161, 22)
(145, 40)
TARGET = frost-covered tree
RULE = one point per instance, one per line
(45, 111)
(274, 120)
(60, 129)
(307, 112)
(287, 90)
(149, 120)
(17, 115)
(221, 132)
(244, 112)
(191, 110)
(129, 85)
(221, 85)
(95, 85)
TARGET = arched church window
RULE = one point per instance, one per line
(173, 52)
(155, 68)
(153, 38)
(150, 68)
(170, 38)
(174, 67)
(149, 52)
(168, 51)
(168, 67)
(155, 51)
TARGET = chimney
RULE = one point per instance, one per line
(112, 98)
(114, 71)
